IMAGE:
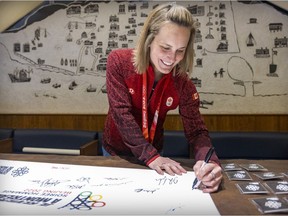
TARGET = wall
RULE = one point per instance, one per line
(56, 56)
(11, 11)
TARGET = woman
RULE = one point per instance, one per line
(145, 83)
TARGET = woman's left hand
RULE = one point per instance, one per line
(210, 176)
(165, 164)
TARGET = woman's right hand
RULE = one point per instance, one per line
(165, 164)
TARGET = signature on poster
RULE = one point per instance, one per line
(49, 182)
(114, 181)
(167, 181)
(139, 190)
(84, 179)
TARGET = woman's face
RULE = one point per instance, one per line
(168, 47)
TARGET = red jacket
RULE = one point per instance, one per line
(123, 128)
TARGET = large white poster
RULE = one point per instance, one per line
(60, 189)
(54, 59)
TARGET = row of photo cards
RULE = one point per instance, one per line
(268, 182)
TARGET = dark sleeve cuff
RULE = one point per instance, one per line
(152, 159)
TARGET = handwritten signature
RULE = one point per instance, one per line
(146, 190)
(49, 182)
(165, 180)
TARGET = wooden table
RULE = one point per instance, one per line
(228, 200)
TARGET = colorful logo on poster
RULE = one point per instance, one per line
(85, 201)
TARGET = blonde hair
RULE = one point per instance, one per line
(160, 15)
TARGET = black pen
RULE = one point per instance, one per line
(196, 182)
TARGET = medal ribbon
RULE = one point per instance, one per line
(149, 136)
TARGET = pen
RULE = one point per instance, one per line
(196, 182)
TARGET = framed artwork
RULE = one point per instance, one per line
(53, 61)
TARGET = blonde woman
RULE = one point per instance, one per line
(144, 83)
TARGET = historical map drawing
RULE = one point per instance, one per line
(54, 59)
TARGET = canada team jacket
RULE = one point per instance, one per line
(123, 135)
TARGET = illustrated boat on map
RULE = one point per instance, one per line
(56, 85)
(104, 89)
(45, 80)
(22, 75)
(91, 89)
(222, 47)
(250, 40)
(73, 85)
(205, 102)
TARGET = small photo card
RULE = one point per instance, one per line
(230, 167)
(268, 175)
(252, 188)
(270, 205)
(278, 187)
(240, 175)
(253, 167)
